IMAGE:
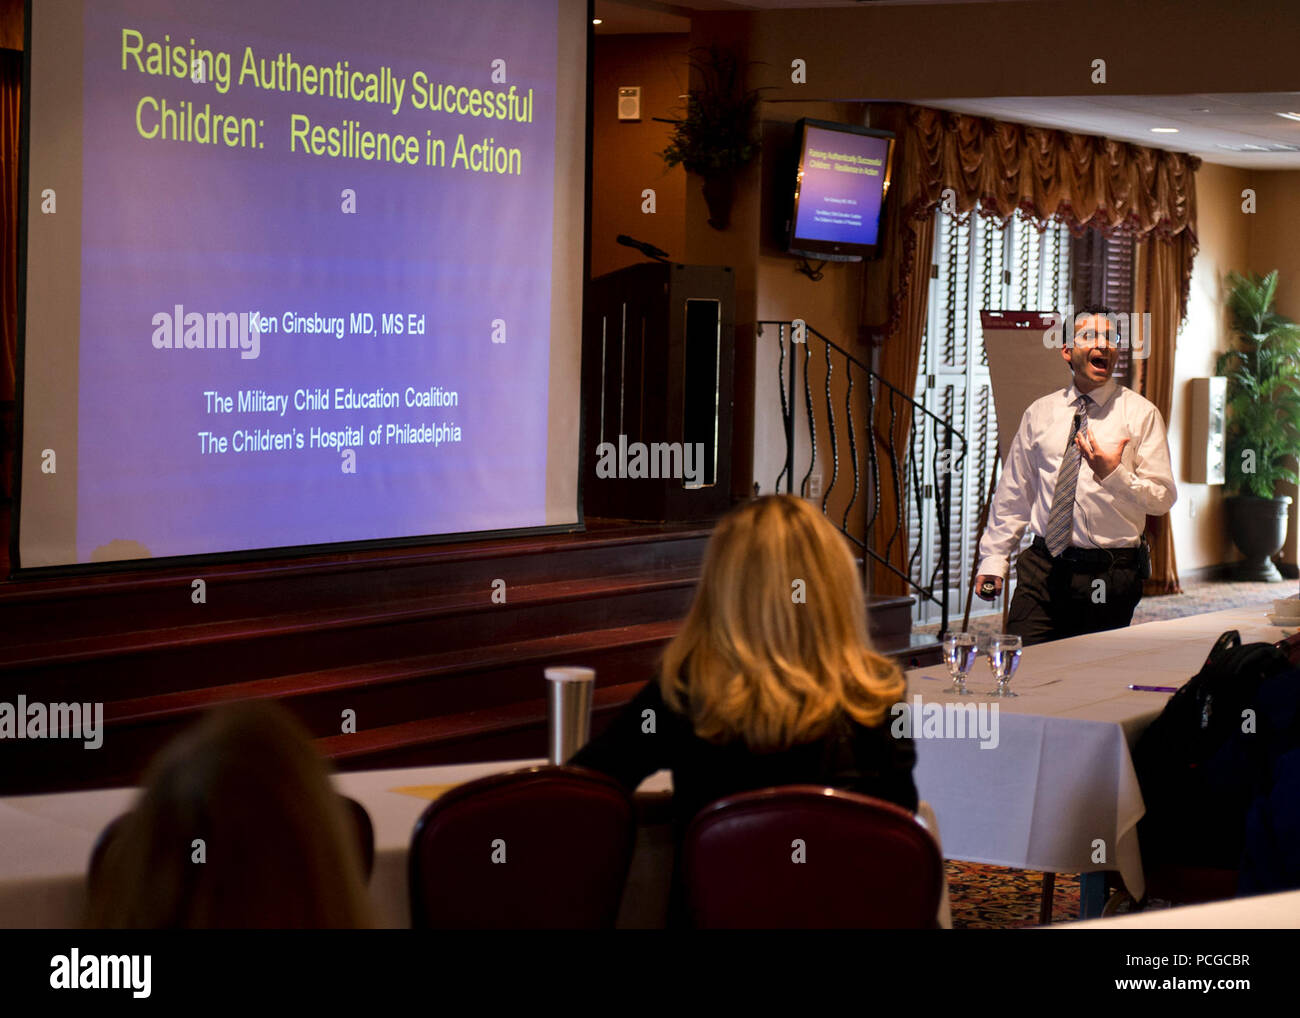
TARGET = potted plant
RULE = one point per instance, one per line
(717, 137)
(1263, 426)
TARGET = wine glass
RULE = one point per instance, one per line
(959, 654)
(1004, 659)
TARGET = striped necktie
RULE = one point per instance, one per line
(1060, 521)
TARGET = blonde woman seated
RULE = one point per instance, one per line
(772, 680)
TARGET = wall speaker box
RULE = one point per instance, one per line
(629, 102)
(1207, 434)
(657, 374)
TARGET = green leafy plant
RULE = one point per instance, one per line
(718, 134)
(1263, 372)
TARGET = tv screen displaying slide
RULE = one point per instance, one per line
(842, 182)
(299, 273)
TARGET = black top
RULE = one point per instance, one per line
(849, 756)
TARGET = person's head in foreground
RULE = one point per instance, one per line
(278, 849)
(775, 646)
(1093, 351)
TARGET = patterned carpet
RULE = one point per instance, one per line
(1209, 597)
(993, 897)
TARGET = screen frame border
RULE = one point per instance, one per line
(276, 553)
(838, 251)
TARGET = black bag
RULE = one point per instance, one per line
(1198, 770)
(1271, 861)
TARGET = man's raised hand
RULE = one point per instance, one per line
(1101, 461)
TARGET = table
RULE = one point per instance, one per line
(46, 840)
(1058, 793)
(1264, 912)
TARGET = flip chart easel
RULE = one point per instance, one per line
(1024, 365)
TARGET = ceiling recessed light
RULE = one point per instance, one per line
(1290, 116)
(1164, 130)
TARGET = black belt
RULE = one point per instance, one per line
(1090, 558)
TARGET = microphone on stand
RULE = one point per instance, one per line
(649, 250)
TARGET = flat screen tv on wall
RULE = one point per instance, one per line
(841, 182)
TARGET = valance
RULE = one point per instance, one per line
(1080, 180)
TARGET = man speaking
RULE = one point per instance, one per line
(1088, 464)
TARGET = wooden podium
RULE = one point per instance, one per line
(657, 356)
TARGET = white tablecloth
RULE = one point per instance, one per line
(1265, 912)
(46, 840)
(1059, 789)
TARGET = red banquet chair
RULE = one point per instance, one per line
(539, 848)
(867, 864)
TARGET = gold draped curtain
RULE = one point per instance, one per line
(1081, 180)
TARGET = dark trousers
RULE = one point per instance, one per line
(1060, 597)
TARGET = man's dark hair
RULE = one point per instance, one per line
(1087, 310)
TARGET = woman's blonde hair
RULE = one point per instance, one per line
(280, 850)
(775, 646)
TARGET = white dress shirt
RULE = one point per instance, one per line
(1110, 513)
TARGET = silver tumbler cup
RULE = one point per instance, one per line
(569, 696)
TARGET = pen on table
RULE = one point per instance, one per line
(1155, 689)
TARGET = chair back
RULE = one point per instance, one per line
(365, 834)
(804, 856)
(538, 848)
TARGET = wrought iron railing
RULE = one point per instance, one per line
(907, 474)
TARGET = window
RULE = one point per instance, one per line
(978, 264)
(1103, 275)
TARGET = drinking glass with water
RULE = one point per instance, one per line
(1004, 659)
(959, 652)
